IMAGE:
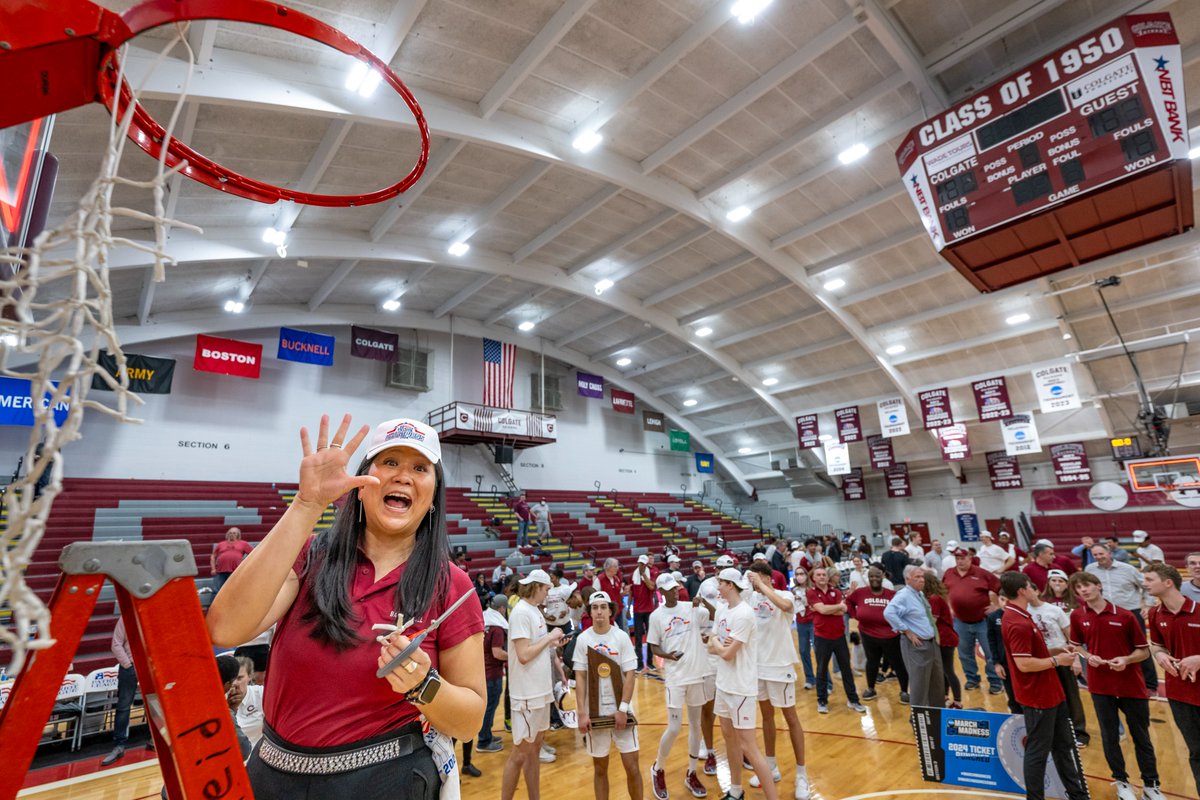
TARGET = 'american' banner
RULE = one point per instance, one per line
(622, 402)
(227, 357)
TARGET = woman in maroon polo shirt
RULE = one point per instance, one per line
(332, 728)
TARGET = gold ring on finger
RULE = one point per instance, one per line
(412, 665)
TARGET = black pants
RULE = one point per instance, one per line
(641, 625)
(126, 690)
(878, 649)
(1074, 705)
(949, 654)
(408, 777)
(1187, 719)
(1049, 735)
(1149, 673)
(1137, 722)
(837, 648)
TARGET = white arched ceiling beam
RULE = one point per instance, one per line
(439, 159)
(633, 341)
(800, 352)
(496, 316)
(900, 47)
(704, 380)
(188, 324)
(615, 246)
(769, 327)
(715, 271)
(557, 229)
(332, 282)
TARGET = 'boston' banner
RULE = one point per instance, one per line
(704, 462)
(880, 450)
(849, 427)
(807, 431)
(16, 403)
(854, 487)
(991, 399)
(1070, 463)
(306, 347)
(622, 401)
(1004, 471)
(654, 422)
(370, 343)
(146, 375)
(227, 357)
(589, 385)
(935, 408)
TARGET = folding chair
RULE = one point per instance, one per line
(68, 711)
(100, 699)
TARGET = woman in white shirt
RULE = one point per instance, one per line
(1055, 626)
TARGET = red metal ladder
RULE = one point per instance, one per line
(189, 718)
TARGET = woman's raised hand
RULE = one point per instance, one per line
(323, 476)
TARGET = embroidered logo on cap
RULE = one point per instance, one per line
(405, 430)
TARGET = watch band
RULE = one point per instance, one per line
(426, 690)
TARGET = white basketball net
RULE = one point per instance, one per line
(61, 302)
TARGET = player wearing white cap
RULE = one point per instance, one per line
(777, 657)
(710, 594)
(674, 636)
(734, 641)
(614, 643)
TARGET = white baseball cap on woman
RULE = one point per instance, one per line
(405, 432)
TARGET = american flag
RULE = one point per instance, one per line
(498, 362)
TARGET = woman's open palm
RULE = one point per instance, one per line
(323, 476)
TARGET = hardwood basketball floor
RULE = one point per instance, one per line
(849, 756)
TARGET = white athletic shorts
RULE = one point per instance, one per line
(599, 742)
(782, 694)
(694, 694)
(529, 718)
(742, 709)
(710, 687)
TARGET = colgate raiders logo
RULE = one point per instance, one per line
(405, 430)
(1166, 84)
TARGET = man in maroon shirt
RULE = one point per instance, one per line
(645, 599)
(226, 556)
(972, 596)
(866, 604)
(1035, 683)
(1040, 564)
(829, 639)
(1174, 626)
(611, 582)
(1112, 640)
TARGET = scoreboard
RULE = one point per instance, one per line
(1104, 109)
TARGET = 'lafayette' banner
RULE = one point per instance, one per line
(622, 401)
(147, 375)
(227, 356)
(991, 399)
(16, 403)
(893, 416)
(935, 408)
(880, 450)
(1004, 471)
(849, 426)
(305, 347)
(807, 431)
(370, 343)
(589, 385)
(1070, 463)
(896, 478)
(854, 487)
(953, 441)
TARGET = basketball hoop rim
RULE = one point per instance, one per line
(148, 134)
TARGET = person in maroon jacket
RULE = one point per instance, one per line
(972, 596)
(1047, 722)
(1174, 626)
(1040, 563)
(829, 635)
(645, 599)
(866, 604)
(610, 582)
(935, 593)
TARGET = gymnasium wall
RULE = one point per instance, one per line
(218, 427)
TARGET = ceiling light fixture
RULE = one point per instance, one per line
(9, 340)
(825, 437)
(587, 141)
(745, 450)
(391, 305)
(235, 306)
(277, 238)
(853, 153)
(834, 285)
(691, 401)
(624, 362)
(603, 285)
(363, 80)
(703, 332)
(747, 10)
(1066, 336)
(527, 326)
(737, 214)
(1017, 319)
(458, 248)
(895, 350)
(770, 381)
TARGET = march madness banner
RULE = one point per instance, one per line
(305, 347)
(227, 357)
(146, 375)
(980, 749)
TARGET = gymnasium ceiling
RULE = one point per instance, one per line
(699, 113)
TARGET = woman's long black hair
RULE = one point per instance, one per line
(334, 555)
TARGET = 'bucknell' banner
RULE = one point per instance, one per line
(306, 347)
(146, 375)
(849, 427)
(370, 343)
(622, 401)
(228, 357)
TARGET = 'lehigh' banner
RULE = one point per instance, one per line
(370, 343)
(306, 347)
(227, 356)
(147, 375)
(654, 422)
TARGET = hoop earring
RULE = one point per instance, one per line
(432, 509)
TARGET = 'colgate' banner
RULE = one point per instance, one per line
(935, 408)
(622, 401)
(853, 485)
(1070, 463)
(991, 399)
(896, 478)
(880, 450)
(953, 441)
(370, 343)
(228, 357)
(1004, 471)
(807, 431)
(849, 427)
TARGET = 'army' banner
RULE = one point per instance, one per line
(147, 375)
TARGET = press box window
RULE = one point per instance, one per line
(410, 370)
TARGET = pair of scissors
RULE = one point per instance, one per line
(420, 637)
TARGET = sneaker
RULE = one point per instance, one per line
(1124, 791)
(859, 707)
(556, 725)
(995, 690)
(117, 753)
(1081, 744)
(955, 705)
(550, 749)
(822, 708)
(472, 770)
(870, 694)
(1152, 793)
(710, 763)
(494, 746)
(776, 776)
(508, 725)
(694, 785)
(809, 685)
(658, 783)
(547, 757)
(884, 677)
(904, 698)
(972, 685)
(802, 790)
